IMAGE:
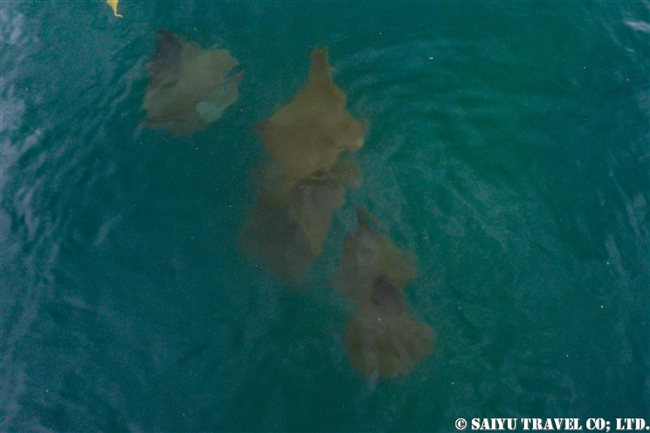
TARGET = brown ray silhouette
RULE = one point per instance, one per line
(286, 230)
(189, 88)
(386, 344)
(382, 337)
(307, 135)
(366, 255)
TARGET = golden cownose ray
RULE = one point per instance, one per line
(286, 230)
(386, 344)
(189, 88)
(314, 200)
(382, 338)
(307, 135)
(366, 254)
(113, 5)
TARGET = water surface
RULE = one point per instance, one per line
(507, 149)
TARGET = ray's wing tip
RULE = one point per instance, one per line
(237, 78)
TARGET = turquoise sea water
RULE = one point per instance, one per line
(508, 149)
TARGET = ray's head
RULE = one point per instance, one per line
(386, 296)
(320, 67)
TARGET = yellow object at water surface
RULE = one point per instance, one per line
(113, 5)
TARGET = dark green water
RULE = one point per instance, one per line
(508, 148)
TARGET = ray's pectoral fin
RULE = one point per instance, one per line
(212, 108)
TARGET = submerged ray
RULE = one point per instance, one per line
(286, 230)
(189, 88)
(382, 338)
(367, 255)
(307, 135)
(386, 343)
